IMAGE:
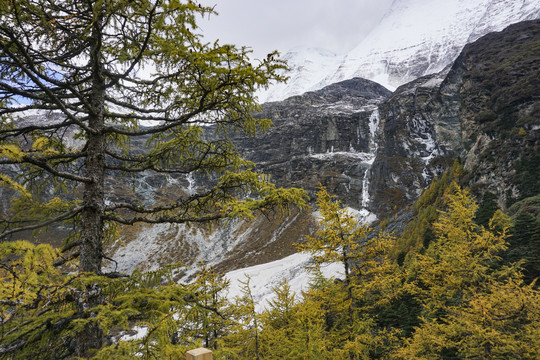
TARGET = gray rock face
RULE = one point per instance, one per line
(497, 78)
(322, 136)
(484, 110)
(486, 102)
(409, 153)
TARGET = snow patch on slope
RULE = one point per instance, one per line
(363, 157)
(159, 240)
(294, 268)
(431, 32)
(265, 277)
(308, 67)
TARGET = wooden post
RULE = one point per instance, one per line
(199, 354)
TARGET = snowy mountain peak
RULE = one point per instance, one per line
(308, 66)
(414, 38)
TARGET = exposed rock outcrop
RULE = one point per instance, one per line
(485, 110)
(322, 136)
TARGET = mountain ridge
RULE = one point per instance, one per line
(414, 38)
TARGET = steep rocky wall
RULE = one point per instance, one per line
(485, 110)
(321, 136)
(498, 78)
(409, 155)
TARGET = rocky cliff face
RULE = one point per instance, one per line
(499, 92)
(326, 136)
(484, 110)
(409, 154)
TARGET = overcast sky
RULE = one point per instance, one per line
(266, 25)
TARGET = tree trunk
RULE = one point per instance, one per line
(349, 297)
(92, 214)
(92, 226)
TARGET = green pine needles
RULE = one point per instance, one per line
(458, 297)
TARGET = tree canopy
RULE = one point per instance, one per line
(95, 92)
(455, 298)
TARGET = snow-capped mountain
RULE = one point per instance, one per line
(414, 38)
(308, 66)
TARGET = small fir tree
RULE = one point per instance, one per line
(243, 340)
(121, 89)
(367, 271)
(208, 318)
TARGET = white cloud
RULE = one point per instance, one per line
(266, 25)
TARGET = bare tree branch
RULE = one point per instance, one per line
(164, 219)
(67, 215)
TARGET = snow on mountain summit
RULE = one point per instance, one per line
(414, 38)
(308, 66)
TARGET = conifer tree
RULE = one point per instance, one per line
(310, 340)
(338, 239)
(367, 272)
(207, 318)
(463, 255)
(243, 340)
(472, 307)
(294, 329)
(278, 323)
(525, 240)
(123, 88)
(46, 312)
(486, 209)
(96, 93)
(281, 308)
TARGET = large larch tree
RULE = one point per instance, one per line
(83, 82)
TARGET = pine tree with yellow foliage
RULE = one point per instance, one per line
(472, 306)
(367, 279)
